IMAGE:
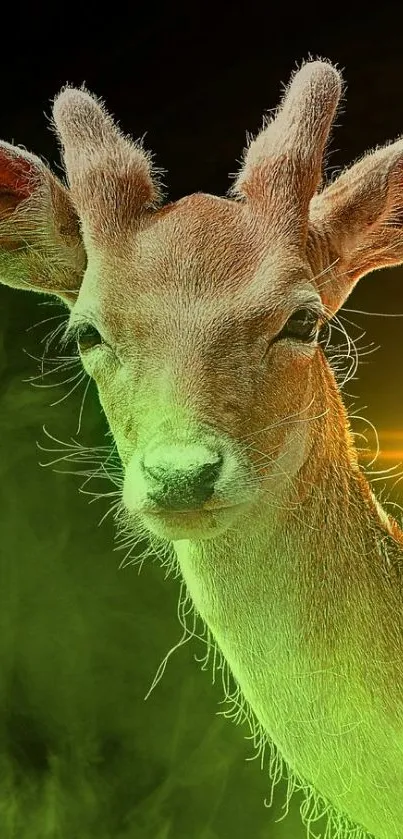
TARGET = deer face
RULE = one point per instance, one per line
(203, 345)
(199, 320)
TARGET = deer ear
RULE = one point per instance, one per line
(357, 222)
(41, 248)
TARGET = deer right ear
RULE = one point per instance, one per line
(41, 248)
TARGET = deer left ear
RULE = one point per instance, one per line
(358, 222)
(41, 248)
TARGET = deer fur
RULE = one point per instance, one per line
(292, 563)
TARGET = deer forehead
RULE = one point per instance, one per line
(202, 256)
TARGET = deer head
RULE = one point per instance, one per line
(199, 319)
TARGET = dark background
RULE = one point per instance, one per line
(194, 78)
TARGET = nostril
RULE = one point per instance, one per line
(158, 473)
(209, 472)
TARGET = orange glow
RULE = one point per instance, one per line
(385, 454)
(391, 447)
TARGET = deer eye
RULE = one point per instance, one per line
(88, 337)
(302, 325)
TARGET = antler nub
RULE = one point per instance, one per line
(282, 166)
(110, 176)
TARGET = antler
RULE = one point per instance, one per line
(111, 178)
(282, 166)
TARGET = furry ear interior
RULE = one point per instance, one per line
(358, 222)
(41, 247)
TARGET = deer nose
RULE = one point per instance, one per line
(181, 477)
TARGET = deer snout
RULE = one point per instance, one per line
(181, 477)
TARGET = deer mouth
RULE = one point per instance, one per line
(197, 523)
(194, 511)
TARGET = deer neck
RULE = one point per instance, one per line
(300, 605)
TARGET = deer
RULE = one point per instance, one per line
(200, 321)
